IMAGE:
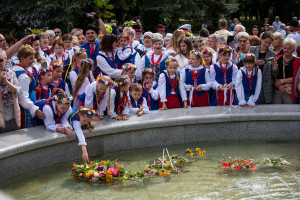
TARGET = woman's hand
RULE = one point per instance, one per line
(140, 113)
(40, 114)
(61, 129)
(149, 85)
(190, 88)
(260, 62)
(282, 88)
(3, 77)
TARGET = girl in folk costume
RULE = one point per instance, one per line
(155, 59)
(57, 111)
(82, 81)
(78, 119)
(119, 99)
(171, 88)
(150, 91)
(43, 90)
(124, 50)
(138, 102)
(146, 47)
(57, 83)
(97, 96)
(196, 80)
(107, 61)
(223, 77)
(248, 83)
(67, 39)
(27, 75)
(44, 43)
(129, 70)
(59, 53)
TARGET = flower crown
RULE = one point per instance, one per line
(107, 83)
(44, 71)
(80, 51)
(57, 64)
(250, 55)
(149, 70)
(206, 51)
(123, 36)
(87, 111)
(187, 34)
(129, 67)
(172, 60)
(65, 100)
(225, 48)
(127, 80)
(195, 52)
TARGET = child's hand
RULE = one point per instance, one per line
(164, 106)
(140, 113)
(85, 156)
(149, 85)
(97, 117)
(221, 87)
(119, 117)
(61, 129)
(68, 132)
(125, 117)
(140, 109)
(90, 129)
(191, 87)
(40, 114)
(229, 86)
(199, 88)
(185, 104)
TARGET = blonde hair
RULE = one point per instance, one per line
(105, 78)
(173, 44)
(25, 51)
(278, 35)
(84, 71)
(129, 31)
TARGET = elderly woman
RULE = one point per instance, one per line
(277, 43)
(242, 40)
(10, 118)
(286, 68)
(263, 54)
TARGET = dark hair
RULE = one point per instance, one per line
(204, 32)
(249, 60)
(255, 26)
(267, 35)
(107, 43)
(59, 43)
(67, 37)
(188, 43)
(254, 40)
(222, 23)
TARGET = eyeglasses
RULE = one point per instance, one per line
(243, 41)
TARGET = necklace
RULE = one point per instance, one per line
(158, 61)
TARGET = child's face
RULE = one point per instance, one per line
(207, 59)
(68, 44)
(84, 120)
(221, 43)
(167, 42)
(47, 77)
(224, 58)
(62, 107)
(249, 66)
(79, 59)
(44, 41)
(57, 73)
(101, 88)
(75, 43)
(129, 73)
(59, 50)
(28, 61)
(198, 46)
(123, 42)
(194, 60)
(172, 67)
(125, 88)
(148, 78)
(157, 46)
(136, 95)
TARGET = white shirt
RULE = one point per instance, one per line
(78, 131)
(65, 55)
(66, 86)
(239, 88)
(205, 86)
(126, 109)
(124, 53)
(49, 121)
(162, 88)
(171, 51)
(105, 67)
(182, 61)
(135, 43)
(134, 110)
(73, 77)
(77, 102)
(153, 92)
(215, 84)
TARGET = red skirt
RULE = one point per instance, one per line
(172, 102)
(220, 98)
(199, 101)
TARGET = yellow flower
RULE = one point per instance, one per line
(204, 151)
(103, 162)
(198, 149)
(89, 173)
(74, 166)
(188, 150)
(192, 155)
(80, 175)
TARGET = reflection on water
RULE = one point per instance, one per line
(203, 179)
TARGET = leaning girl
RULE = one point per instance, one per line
(129, 70)
(43, 90)
(57, 83)
(150, 91)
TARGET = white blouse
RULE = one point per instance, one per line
(182, 61)
(124, 53)
(106, 68)
(78, 131)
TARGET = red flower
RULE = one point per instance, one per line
(252, 167)
(226, 164)
(237, 167)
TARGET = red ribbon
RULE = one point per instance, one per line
(173, 82)
(28, 73)
(148, 94)
(224, 71)
(92, 50)
(249, 77)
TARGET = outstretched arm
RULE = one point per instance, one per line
(15, 48)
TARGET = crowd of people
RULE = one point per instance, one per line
(66, 81)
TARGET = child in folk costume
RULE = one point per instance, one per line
(196, 80)
(171, 88)
(59, 53)
(27, 77)
(146, 45)
(67, 39)
(57, 83)
(97, 96)
(124, 50)
(78, 119)
(150, 91)
(138, 102)
(223, 77)
(129, 70)
(119, 100)
(82, 81)
(248, 83)
(43, 90)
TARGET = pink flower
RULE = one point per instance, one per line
(100, 168)
(114, 171)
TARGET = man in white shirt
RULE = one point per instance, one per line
(294, 26)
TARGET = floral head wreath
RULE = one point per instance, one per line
(195, 52)
(129, 67)
(206, 51)
(65, 100)
(44, 71)
(80, 51)
(57, 64)
(87, 111)
(250, 55)
(107, 83)
(149, 70)
(225, 48)
(123, 36)
(127, 80)
(172, 60)
(187, 34)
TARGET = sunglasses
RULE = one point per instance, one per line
(57, 32)
(243, 41)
